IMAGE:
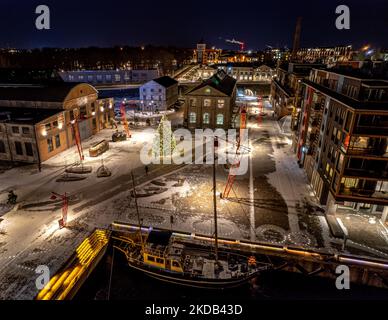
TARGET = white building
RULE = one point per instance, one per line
(158, 94)
(109, 77)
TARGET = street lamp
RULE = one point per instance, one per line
(65, 204)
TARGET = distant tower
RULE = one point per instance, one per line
(201, 52)
(296, 43)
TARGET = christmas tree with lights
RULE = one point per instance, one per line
(164, 143)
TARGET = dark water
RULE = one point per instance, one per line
(128, 284)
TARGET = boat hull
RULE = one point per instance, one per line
(180, 279)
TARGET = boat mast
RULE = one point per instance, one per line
(137, 210)
(215, 205)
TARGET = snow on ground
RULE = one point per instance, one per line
(282, 211)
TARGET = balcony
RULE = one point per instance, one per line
(366, 173)
(364, 193)
(371, 131)
(367, 152)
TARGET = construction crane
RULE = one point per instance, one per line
(235, 166)
(242, 44)
(124, 120)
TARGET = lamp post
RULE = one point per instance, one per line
(65, 204)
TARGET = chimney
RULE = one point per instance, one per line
(296, 43)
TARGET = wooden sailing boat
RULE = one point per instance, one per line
(167, 257)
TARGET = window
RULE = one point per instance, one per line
(193, 102)
(220, 103)
(150, 258)
(159, 260)
(207, 103)
(349, 182)
(18, 147)
(15, 129)
(57, 141)
(192, 117)
(26, 130)
(220, 119)
(175, 264)
(117, 78)
(2, 146)
(50, 146)
(28, 147)
(340, 162)
(55, 124)
(206, 118)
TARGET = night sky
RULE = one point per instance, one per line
(81, 23)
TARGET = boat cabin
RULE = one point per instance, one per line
(159, 252)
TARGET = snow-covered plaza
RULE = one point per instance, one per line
(271, 203)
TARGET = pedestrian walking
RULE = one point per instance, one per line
(146, 170)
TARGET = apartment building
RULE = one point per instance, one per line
(326, 55)
(342, 140)
(286, 88)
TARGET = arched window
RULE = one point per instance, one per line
(192, 117)
(206, 118)
(220, 119)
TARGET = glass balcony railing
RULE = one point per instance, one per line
(363, 193)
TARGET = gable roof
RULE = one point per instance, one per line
(53, 92)
(165, 81)
(28, 116)
(219, 81)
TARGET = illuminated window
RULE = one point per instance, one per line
(207, 103)
(220, 103)
(220, 119)
(349, 182)
(206, 118)
(192, 117)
